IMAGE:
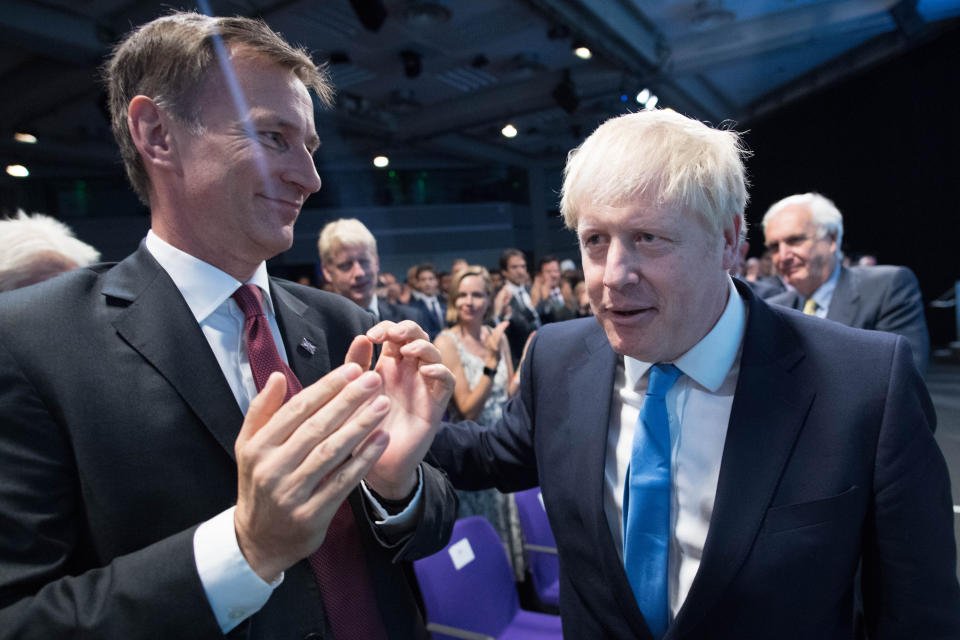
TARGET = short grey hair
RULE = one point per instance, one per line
(665, 158)
(823, 212)
(30, 242)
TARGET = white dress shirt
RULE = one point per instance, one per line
(698, 407)
(233, 589)
(824, 293)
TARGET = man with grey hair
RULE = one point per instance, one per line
(189, 447)
(804, 234)
(351, 264)
(37, 247)
(708, 467)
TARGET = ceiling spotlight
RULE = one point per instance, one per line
(582, 51)
(17, 171)
(412, 63)
(509, 131)
(643, 96)
(26, 138)
(381, 161)
(652, 103)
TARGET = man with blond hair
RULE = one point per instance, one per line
(155, 481)
(351, 264)
(713, 466)
(37, 247)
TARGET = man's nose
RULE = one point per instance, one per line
(302, 171)
(621, 267)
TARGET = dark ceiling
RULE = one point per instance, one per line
(434, 82)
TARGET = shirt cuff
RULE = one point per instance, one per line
(234, 590)
(402, 519)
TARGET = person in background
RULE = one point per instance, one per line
(514, 303)
(37, 247)
(479, 358)
(804, 233)
(551, 294)
(351, 264)
(432, 307)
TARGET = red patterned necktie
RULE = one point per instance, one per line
(338, 565)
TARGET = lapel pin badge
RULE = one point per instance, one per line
(308, 346)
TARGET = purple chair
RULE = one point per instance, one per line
(540, 545)
(469, 592)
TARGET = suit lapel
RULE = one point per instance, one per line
(845, 299)
(769, 408)
(589, 422)
(159, 326)
(303, 336)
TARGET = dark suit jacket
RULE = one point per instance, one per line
(817, 473)
(398, 312)
(116, 440)
(430, 322)
(522, 323)
(882, 298)
(552, 311)
(767, 287)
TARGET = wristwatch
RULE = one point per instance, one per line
(489, 371)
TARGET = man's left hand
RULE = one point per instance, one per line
(419, 388)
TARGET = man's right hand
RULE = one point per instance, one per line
(297, 462)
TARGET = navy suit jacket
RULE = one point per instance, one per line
(828, 461)
(117, 429)
(882, 298)
(430, 322)
(398, 312)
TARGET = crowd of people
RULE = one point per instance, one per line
(192, 448)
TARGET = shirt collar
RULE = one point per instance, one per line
(708, 361)
(203, 286)
(374, 307)
(516, 289)
(824, 292)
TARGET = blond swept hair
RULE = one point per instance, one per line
(457, 277)
(345, 232)
(662, 158)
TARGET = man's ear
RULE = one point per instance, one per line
(731, 243)
(151, 132)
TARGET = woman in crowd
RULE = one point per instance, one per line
(479, 358)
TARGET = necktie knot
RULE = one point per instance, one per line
(810, 306)
(662, 378)
(248, 299)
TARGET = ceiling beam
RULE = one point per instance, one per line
(775, 31)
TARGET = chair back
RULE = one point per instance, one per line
(544, 567)
(469, 584)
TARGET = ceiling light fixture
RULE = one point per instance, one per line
(652, 103)
(26, 138)
(643, 96)
(582, 51)
(509, 131)
(17, 171)
(381, 161)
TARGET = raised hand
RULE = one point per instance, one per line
(419, 387)
(298, 461)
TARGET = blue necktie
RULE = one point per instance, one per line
(646, 502)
